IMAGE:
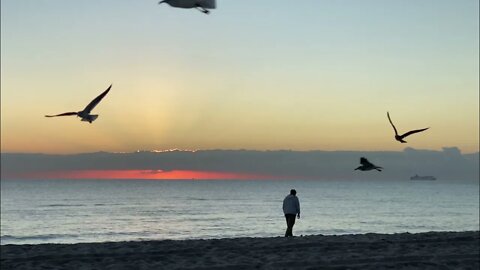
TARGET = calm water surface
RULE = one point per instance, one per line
(73, 211)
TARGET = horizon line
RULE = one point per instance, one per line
(172, 150)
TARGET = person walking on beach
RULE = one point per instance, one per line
(291, 208)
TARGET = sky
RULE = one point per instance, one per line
(262, 75)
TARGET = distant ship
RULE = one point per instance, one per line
(427, 177)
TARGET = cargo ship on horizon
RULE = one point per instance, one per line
(426, 177)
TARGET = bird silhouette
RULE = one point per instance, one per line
(367, 166)
(400, 138)
(85, 113)
(202, 5)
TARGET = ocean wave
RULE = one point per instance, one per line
(62, 205)
(35, 237)
(69, 238)
(77, 205)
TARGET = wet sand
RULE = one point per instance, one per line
(433, 250)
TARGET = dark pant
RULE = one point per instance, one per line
(290, 222)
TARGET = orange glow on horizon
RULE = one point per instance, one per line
(145, 175)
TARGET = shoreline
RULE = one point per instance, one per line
(429, 250)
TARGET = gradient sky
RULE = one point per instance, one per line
(267, 74)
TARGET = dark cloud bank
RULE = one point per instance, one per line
(448, 165)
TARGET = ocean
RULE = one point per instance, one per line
(76, 211)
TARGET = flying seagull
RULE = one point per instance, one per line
(202, 5)
(85, 114)
(401, 137)
(367, 166)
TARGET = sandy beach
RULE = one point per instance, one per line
(432, 250)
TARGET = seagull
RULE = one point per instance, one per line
(202, 5)
(367, 166)
(85, 114)
(401, 137)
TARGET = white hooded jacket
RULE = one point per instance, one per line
(291, 205)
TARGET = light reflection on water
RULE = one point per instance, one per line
(71, 211)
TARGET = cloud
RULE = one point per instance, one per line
(152, 172)
(448, 164)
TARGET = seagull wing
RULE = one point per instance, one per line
(365, 162)
(94, 102)
(62, 114)
(413, 131)
(391, 123)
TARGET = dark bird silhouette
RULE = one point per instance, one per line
(85, 114)
(202, 5)
(401, 137)
(367, 166)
